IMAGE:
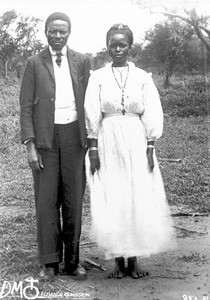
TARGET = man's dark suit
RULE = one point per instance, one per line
(61, 183)
(37, 98)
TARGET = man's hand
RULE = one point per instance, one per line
(34, 157)
(94, 161)
(150, 158)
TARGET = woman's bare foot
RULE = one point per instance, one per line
(134, 270)
(119, 268)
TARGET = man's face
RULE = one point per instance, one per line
(57, 34)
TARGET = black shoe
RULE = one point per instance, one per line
(78, 272)
(49, 271)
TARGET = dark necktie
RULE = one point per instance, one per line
(58, 59)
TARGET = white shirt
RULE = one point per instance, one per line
(65, 107)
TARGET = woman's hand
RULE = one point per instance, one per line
(94, 161)
(150, 159)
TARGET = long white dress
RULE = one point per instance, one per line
(130, 214)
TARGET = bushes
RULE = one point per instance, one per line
(187, 96)
(9, 114)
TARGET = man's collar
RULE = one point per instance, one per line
(63, 50)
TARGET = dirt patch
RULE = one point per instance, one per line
(173, 275)
(178, 274)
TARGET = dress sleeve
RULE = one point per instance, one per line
(152, 117)
(93, 114)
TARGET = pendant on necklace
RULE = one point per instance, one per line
(122, 88)
(122, 103)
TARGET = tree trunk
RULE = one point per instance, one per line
(167, 80)
(6, 69)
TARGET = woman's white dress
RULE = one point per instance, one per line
(130, 214)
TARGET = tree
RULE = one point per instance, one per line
(17, 40)
(7, 41)
(136, 55)
(198, 21)
(166, 43)
(100, 59)
(192, 59)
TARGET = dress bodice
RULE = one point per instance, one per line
(103, 96)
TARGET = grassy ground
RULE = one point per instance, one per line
(186, 182)
(185, 137)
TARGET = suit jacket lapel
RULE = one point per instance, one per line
(47, 61)
(73, 70)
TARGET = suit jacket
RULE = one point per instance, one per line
(37, 96)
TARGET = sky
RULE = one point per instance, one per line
(91, 19)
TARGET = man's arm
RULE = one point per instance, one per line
(26, 102)
(87, 68)
(26, 117)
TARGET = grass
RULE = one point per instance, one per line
(186, 183)
(185, 137)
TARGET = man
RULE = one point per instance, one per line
(53, 129)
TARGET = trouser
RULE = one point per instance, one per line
(59, 190)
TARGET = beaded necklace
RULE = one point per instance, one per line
(122, 87)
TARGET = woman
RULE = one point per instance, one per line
(130, 215)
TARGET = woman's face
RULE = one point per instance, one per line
(118, 48)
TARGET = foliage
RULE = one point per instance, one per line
(100, 59)
(166, 43)
(185, 137)
(192, 58)
(187, 96)
(170, 48)
(137, 54)
(197, 21)
(17, 41)
(188, 13)
(7, 41)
